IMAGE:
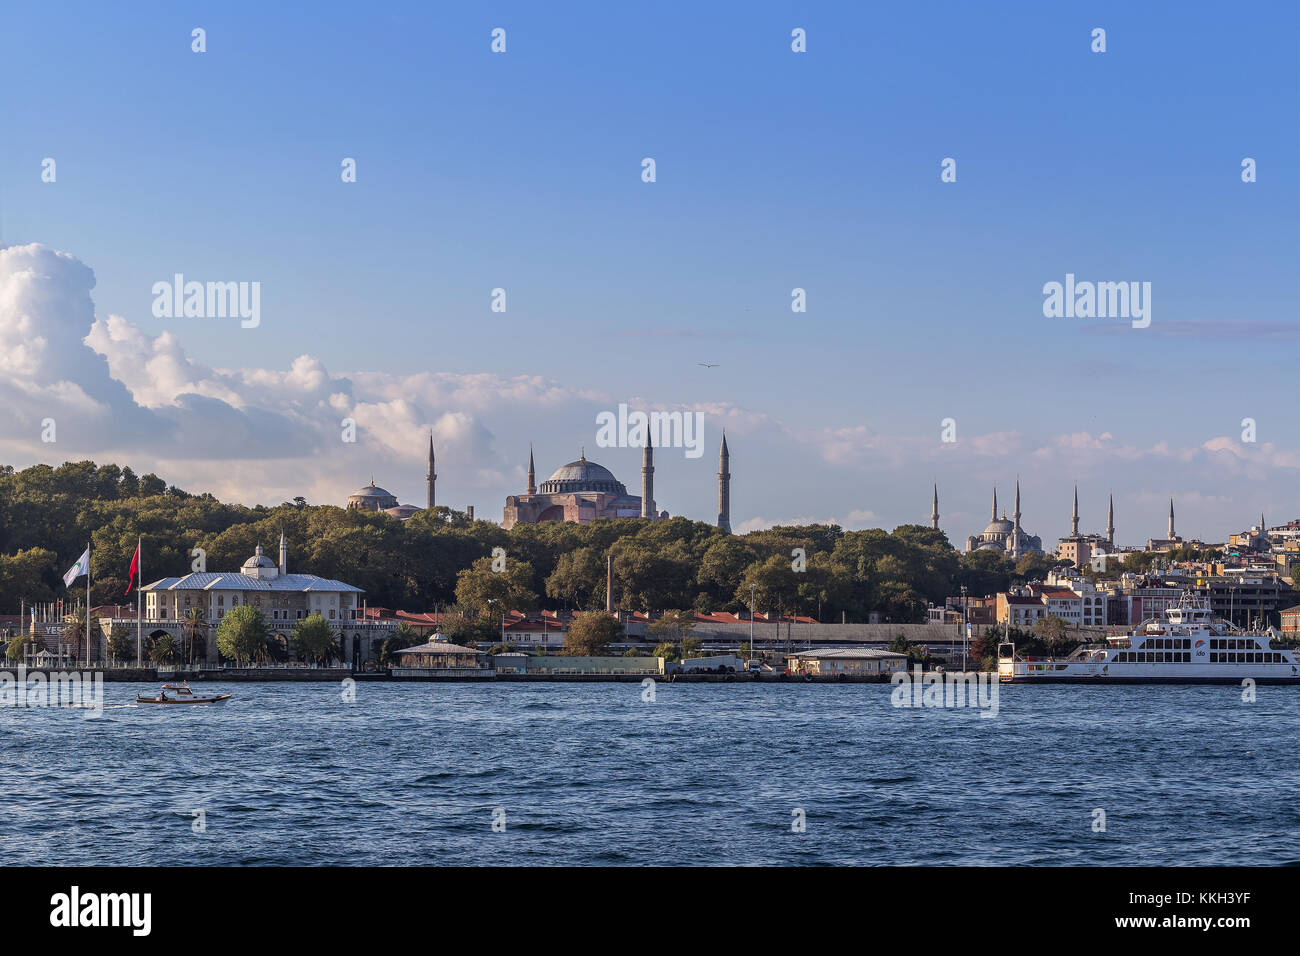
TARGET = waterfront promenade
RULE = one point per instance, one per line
(149, 675)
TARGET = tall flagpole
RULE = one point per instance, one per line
(139, 605)
(88, 604)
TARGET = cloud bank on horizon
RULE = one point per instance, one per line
(261, 435)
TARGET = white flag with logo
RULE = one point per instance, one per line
(77, 570)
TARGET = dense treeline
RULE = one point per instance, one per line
(442, 558)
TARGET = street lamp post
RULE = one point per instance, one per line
(752, 654)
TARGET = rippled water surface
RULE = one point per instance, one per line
(707, 774)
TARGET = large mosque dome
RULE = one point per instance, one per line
(582, 475)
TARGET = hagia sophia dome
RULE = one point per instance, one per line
(583, 475)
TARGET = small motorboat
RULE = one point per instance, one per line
(182, 699)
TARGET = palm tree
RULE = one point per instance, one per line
(192, 629)
(77, 633)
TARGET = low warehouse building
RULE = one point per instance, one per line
(850, 661)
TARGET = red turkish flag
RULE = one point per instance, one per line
(135, 567)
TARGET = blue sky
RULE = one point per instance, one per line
(775, 170)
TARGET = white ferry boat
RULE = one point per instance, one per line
(1190, 646)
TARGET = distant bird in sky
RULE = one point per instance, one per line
(707, 365)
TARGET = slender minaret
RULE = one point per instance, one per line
(648, 479)
(1015, 528)
(284, 554)
(432, 476)
(995, 503)
(609, 583)
(532, 474)
(1110, 521)
(1074, 518)
(934, 508)
(724, 486)
(1171, 519)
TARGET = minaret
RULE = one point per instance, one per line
(648, 479)
(1015, 528)
(934, 508)
(724, 486)
(284, 554)
(995, 503)
(1074, 518)
(1110, 521)
(432, 476)
(532, 473)
(1171, 519)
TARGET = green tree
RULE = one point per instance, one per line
(313, 640)
(578, 580)
(121, 647)
(672, 626)
(18, 647)
(76, 630)
(466, 629)
(242, 634)
(479, 587)
(192, 633)
(164, 650)
(667, 651)
(403, 636)
(591, 634)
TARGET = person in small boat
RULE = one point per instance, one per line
(162, 694)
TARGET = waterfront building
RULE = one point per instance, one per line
(607, 666)
(1074, 598)
(849, 661)
(1135, 600)
(1005, 535)
(1020, 608)
(1246, 600)
(1291, 622)
(282, 597)
(438, 654)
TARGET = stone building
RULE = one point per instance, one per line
(584, 491)
(283, 598)
(374, 498)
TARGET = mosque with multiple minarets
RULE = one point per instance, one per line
(1002, 534)
(578, 492)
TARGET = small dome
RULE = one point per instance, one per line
(370, 491)
(258, 560)
(372, 498)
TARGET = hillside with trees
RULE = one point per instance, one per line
(441, 558)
